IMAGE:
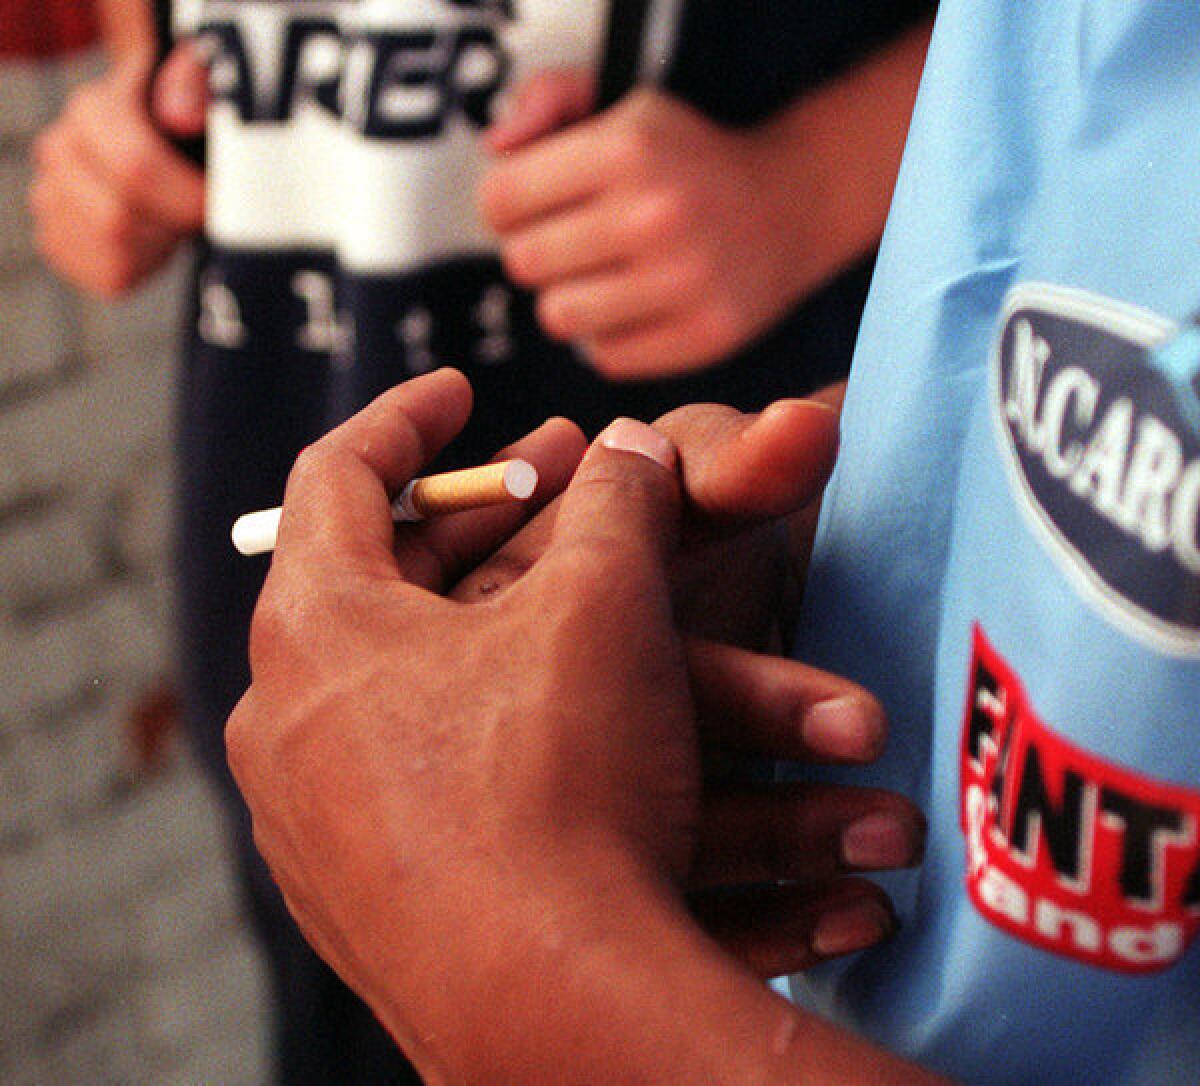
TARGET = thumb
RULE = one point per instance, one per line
(179, 96)
(543, 104)
(624, 502)
(739, 468)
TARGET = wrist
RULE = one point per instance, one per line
(514, 981)
(615, 984)
(567, 981)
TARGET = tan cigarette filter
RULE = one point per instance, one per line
(471, 488)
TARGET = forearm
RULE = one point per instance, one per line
(627, 990)
(829, 161)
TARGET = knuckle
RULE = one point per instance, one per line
(134, 172)
(236, 747)
(521, 261)
(664, 213)
(267, 625)
(309, 469)
(588, 566)
(290, 615)
(554, 314)
(496, 199)
(273, 627)
(248, 737)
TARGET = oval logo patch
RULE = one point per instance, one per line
(1100, 446)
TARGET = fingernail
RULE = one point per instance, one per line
(877, 841)
(844, 729)
(851, 927)
(629, 435)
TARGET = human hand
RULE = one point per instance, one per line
(111, 198)
(651, 235)
(423, 758)
(794, 845)
(407, 757)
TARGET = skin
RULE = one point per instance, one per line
(488, 809)
(111, 198)
(663, 242)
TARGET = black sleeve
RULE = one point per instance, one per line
(162, 26)
(741, 60)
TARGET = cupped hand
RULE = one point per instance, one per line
(443, 786)
(649, 233)
(420, 769)
(772, 871)
(111, 198)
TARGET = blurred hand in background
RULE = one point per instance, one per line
(111, 197)
(663, 242)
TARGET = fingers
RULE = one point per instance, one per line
(437, 553)
(542, 104)
(676, 343)
(739, 467)
(608, 301)
(179, 95)
(775, 930)
(338, 495)
(780, 708)
(598, 234)
(110, 198)
(736, 468)
(552, 173)
(623, 503)
(83, 229)
(804, 833)
(121, 145)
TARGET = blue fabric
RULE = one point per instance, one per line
(1053, 156)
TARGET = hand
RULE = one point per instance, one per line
(401, 744)
(653, 236)
(479, 791)
(111, 198)
(794, 844)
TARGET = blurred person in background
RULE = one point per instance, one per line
(339, 250)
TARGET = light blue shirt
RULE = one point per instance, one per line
(1008, 550)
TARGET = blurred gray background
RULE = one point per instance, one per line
(123, 955)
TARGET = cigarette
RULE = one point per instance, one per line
(432, 496)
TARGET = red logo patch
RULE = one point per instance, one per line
(1065, 850)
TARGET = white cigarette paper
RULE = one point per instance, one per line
(434, 495)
